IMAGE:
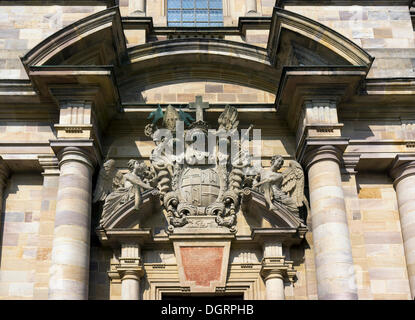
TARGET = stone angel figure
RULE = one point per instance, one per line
(129, 186)
(286, 188)
(106, 181)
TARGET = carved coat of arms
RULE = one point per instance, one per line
(193, 181)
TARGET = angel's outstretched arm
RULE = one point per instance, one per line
(137, 181)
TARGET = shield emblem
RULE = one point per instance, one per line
(199, 186)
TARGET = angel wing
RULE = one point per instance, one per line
(293, 182)
(104, 184)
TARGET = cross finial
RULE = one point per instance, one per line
(199, 105)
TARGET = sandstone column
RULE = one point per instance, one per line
(69, 273)
(130, 286)
(274, 270)
(137, 7)
(130, 271)
(250, 6)
(332, 248)
(404, 175)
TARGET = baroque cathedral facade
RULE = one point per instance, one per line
(172, 149)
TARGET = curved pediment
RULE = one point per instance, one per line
(199, 59)
(256, 212)
(95, 40)
(126, 216)
(294, 40)
(289, 29)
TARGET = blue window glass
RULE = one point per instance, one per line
(175, 15)
(194, 13)
(215, 4)
(174, 4)
(188, 4)
(202, 4)
(202, 16)
(189, 16)
(216, 15)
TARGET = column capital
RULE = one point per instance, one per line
(4, 173)
(49, 164)
(324, 152)
(130, 264)
(402, 166)
(130, 273)
(81, 150)
(277, 267)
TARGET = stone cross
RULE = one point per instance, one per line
(199, 105)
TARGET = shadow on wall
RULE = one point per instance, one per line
(21, 213)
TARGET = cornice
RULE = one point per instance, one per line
(282, 3)
(389, 86)
(108, 3)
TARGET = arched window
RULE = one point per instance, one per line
(194, 13)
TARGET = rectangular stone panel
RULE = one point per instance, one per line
(203, 264)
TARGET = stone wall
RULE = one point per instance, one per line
(385, 32)
(27, 219)
(26, 236)
(26, 131)
(212, 92)
(376, 235)
(99, 283)
(23, 27)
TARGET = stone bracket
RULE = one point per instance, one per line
(49, 164)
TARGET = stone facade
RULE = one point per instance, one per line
(330, 85)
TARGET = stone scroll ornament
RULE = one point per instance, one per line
(195, 182)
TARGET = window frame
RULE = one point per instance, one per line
(194, 11)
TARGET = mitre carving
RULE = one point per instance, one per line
(192, 181)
